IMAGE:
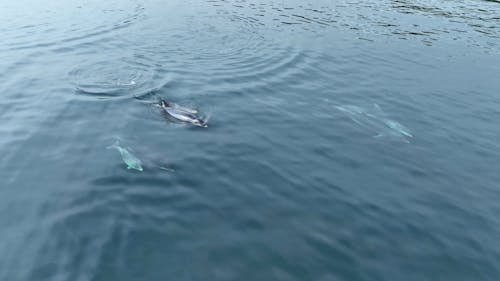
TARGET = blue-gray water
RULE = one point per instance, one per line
(285, 183)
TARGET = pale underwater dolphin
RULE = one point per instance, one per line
(128, 158)
(376, 120)
(182, 114)
(356, 113)
(398, 128)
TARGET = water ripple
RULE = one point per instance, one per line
(235, 51)
(118, 78)
(56, 30)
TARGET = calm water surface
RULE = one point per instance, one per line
(283, 184)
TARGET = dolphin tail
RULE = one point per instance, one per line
(206, 119)
(166, 169)
(378, 110)
(116, 144)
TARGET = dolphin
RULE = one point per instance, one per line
(398, 128)
(375, 120)
(128, 158)
(182, 114)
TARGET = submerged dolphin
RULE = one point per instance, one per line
(375, 120)
(182, 114)
(128, 158)
(398, 128)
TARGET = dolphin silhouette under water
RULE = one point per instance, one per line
(128, 158)
(376, 120)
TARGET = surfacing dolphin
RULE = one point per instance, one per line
(376, 120)
(182, 114)
(128, 158)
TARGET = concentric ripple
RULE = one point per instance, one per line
(121, 78)
(227, 49)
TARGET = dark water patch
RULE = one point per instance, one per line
(352, 15)
(464, 12)
(273, 9)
